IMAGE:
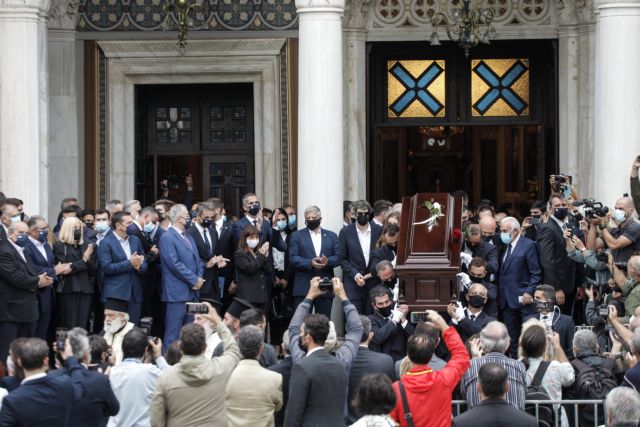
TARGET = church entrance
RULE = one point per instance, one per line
(202, 131)
(442, 122)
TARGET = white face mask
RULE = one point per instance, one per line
(252, 243)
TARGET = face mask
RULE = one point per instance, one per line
(353, 220)
(312, 224)
(476, 279)
(561, 213)
(619, 215)
(42, 236)
(252, 243)
(476, 301)
(224, 218)
(281, 225)
(194, 214)
(206, 223)
(390, 283)
(384, 311)
(471, 245)
(102, 227)
(22, 240)
(302, 344)
(393, 246)
(15, 219)
(292, 220)
(487, 238)
(543, 306)
(148, 227)
(506, 238)
(89, 224)
(77, 234)
(363, 218)
(187, 224)
(254, 209)
(536, 216)
(132, 229)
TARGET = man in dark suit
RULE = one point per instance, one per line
(390, 326)
(473, 318)
(318, 382)
(40, 255)
(19, 282)
(182, 273)
(356, 243)
(494, 411)
(386, 252)
(224, 248)
(474, 246)
(544, 304)
(122, 263)
(313, 252)
(252, 209)
(366, 362)
(283, 368)
(10, 214)
(206, 242)
(557, 268)
(41, 400)
(519, 275)
(95, 401)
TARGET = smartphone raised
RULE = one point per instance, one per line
(196, 308)
(419, 317)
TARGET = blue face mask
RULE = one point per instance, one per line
(224, 218)
(148, 227)
(619, 215)
(42, 236)
(292, 220)
(506, 238)
(102, 227)
(22, 240)
(281, 225)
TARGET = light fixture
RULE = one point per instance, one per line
(181, 18)
(465, 27)
(440, 132)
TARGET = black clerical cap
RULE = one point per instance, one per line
(116, 305)
(238, 305)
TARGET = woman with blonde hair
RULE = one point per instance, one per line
(75, 290)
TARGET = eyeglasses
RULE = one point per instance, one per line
(478, 294)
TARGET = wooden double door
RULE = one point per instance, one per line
(206, 131)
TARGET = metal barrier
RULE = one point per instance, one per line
(571, 407)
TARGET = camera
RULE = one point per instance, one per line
(145, 324)
(419, 317)
(196, 308)
(561, 182)
(592, 209)
(61, 337)
(621, 266)
(603, 311)
(325, 285)
(602, 257)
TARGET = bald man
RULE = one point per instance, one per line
(472, 318)
(488, 228)
(625, 238)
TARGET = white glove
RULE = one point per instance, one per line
(465, 258)
(396, 291)
(459, 311)
(463, 281)
(396, 316)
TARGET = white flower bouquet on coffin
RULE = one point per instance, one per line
(435, 209)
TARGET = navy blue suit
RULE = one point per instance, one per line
(181, 269)
(225, 247)
(119, 279)
(353, 262)
(42, 402)
(46, 295)
(210, 287)
(520, 273)
(301, 252)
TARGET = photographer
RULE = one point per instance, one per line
(348, 350)
(623, 239)
(628, 286)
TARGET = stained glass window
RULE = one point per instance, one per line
(173, 125)
(499, 87)
(416, 88)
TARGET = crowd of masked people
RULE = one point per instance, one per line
(176, 315)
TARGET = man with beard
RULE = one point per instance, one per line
(116, 325)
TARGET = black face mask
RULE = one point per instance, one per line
(471, 245)
(77, 234)
(561, 213)
(541, 306)
(536, 216)
(487, 238)
(384, 311)
(353, 220)
(393, 246)
(363, 218)
(312, 224)
(390, 283)
(476, 301)
(302, 344)
(254, 209)
(476, 279)
(206, 223)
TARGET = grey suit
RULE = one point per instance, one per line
(367, 362)
(317, 392)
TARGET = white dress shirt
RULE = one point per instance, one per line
(365, 242)
(219, 224)
(19, 249)
(39, 246)
(513, 244)
(316, 239)
(204, 232)
(125, 245)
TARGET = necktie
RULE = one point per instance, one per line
(545, 317)
(255, 222)
(207, 243)
(472, 317)
(564, 226)
(186, 239)
(508, 252)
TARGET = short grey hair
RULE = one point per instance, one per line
(366, 327)
(176, 212)
(623, 406)
(312, 209)
(383, 265)
(635, 342)
(129, 204)
(511, 222)
(33, 221)
(250, 341)
(204, 206)
(585, 340)
(79, 342)
(494, 337)
(12, 227)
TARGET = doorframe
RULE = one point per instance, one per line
(204, 61)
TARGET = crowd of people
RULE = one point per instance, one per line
(177, 315)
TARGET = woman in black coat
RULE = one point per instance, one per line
(75, 290)
(253, 268)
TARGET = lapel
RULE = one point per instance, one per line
(306, 236)
(197, 237)
(324, 249)
(33, 250)
(515, 251)
(115, 242)
(16, 253)
(374, 238)
(50, 257)
(356, 240)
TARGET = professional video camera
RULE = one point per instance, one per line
(591, 208)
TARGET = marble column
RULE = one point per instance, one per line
(320, 117)
(66, 163)
(617, 97)
(23, 102)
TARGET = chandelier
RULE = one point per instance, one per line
(467, 27)
(181, 8)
